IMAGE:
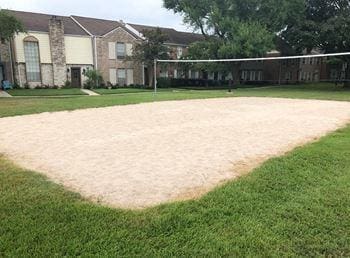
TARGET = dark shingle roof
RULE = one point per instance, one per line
(174, 36)
(40, 22)
(100, 27)
(97, 27)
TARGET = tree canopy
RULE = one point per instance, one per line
(235, 28)
(323, 24)
(241, 28)
(150, 49)
(9, 25)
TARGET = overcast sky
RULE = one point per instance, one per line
(149, 12)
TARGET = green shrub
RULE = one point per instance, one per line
(164, 82)
(67, 85)
(94, 79)
(16, 86)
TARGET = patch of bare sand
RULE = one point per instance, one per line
(139, 156)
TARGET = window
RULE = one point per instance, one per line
(164, 74)
(308, 78)
(211, 76)
(121, 77)
(288, 76)
(252, 76)
(192, 74)
(244, 75)
(175, 73)
(121, 50)
(179, 52)
(31, 53)
(196, 75)
(304, 76)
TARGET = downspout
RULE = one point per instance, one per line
(95, 52)
(143, 74)
(11, 61)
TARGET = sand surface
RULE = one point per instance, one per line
(138, 156)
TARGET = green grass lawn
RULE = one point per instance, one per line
(323, 91)
(45, 92)
(136, 90)
(27, 105)
(296, 205)
(120, 91)
(31, 105)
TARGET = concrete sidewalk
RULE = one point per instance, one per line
(90, 92)
(4, 94)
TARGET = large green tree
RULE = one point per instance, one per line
(150, 49)
(9, 25)
(324, 25)
(236, 28)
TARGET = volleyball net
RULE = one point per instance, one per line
(270, 70)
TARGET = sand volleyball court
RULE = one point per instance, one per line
(138, 156)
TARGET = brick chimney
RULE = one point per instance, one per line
(58, 55)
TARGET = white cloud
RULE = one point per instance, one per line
(150, 12)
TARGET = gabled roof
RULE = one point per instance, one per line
(174, 36)
(100, 27)
(97, 27)
(40, 22)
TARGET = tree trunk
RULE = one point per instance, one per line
(347, 76)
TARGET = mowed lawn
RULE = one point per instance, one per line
(27, 105)
(45, 92)
(31, 105)
(295, 205)
(120, 91)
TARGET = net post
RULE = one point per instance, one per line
(155, 76)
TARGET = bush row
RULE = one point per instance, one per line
(203, 83)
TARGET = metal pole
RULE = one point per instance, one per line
(155, 76)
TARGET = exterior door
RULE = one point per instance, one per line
(76, 77)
